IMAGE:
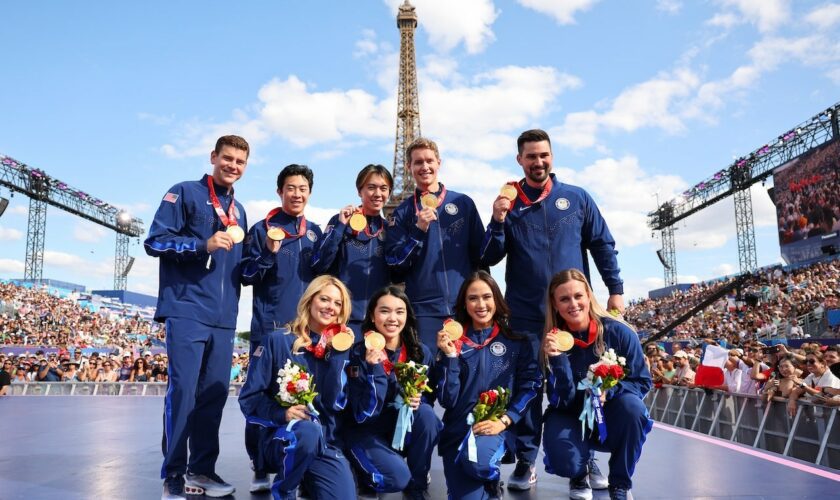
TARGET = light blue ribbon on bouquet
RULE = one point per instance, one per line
(592, 410)
(312, 412)
(405, 419)
(472, 448)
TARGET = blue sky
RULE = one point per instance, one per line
(122, 100)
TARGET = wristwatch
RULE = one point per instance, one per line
(803, 385)
(505, 420)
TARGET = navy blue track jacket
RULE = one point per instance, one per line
(566, 370)
(257, 396)
(436, 262)
(511, 364)
(279, 279)
(357, 260)
(189, 287)
(545, 238)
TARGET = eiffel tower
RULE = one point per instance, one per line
(408, 107)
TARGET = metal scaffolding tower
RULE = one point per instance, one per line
(669, 256)
(33, 268)
(408, 106)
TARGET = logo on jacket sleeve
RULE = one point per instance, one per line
(497, 349)
(562, 204)
(311, 235)
(451, 208)
(236, 212)
(258, 351)
(392, 220)
(170, 197)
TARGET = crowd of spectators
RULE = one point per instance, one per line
(811, 371)
(771, 302)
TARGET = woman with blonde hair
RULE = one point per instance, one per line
(572, 307)
(301, 443)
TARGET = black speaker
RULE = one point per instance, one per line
(4, 202)
(662, 259)
(826, 249)
(771, 192)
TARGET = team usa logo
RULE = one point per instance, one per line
(498, 349)
(451, 208)
(236, 212)
(562, 204)
(311, 235)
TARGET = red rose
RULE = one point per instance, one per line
(601, 371)
(616, 372)
(303, 376)
(484, 397)
(290, 387)
(493, 396)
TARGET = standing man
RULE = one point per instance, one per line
(432, 241)
(197, 234)
(547, 227)
(277, 262)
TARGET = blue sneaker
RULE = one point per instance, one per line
(173, 488)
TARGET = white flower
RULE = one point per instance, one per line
(622, 360)
(411, 364)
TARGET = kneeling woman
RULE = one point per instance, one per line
(572, 307)
(300, 445)
(374, 389)
(488, 355)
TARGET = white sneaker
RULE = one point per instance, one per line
(211, 486)
(579, 488)
(260, 482)
(597, 479)
(523, 477)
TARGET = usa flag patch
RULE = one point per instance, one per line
(170, 197)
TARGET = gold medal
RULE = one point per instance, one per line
(358, 222)
(276, 233)
(342, 341)
(453, 329)
(429, 200)
(563, 339)
(237, 234)
(374, 340)
(508, 192)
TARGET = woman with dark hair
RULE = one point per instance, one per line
(303, 444)
(140, 372)
(571, 306)
(373, 390)
(351, 248)
(488, 355)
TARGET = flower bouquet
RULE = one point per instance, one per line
(601, 376)
(296, 387)
(491, 405)
(413, 381)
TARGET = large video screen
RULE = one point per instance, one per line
(807, 196)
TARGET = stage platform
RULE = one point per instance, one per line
(100, 447)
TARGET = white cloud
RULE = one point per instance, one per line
(724, 269)
(88, 233)
(669, 6)
(74, 262)
(198, 138)
(449, 24)
(17, 210)
(290, 110)
(11, 268)
(767, 15)
(724, 20)
(10, 234)
(563, 11)
(480, 120)
(653, 103)
(824, 16)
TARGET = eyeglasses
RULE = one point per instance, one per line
(810, 361)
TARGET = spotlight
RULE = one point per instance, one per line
(124, 217)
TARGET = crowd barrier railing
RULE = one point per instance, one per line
(812, 434)
(98, 389)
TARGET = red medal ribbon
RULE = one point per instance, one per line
(228, 219)
(459, 344)
(388, 365)
(320, 349)
(593, 334)
(440, 197)
(276, 211)
(520, 193)
(367, 226)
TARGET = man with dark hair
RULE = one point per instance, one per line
(196, 234)
(433, 241)
(276, 261)
(546, 227)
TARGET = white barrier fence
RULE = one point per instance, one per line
(97, 389)
(812, 435)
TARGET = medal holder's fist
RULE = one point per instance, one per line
(445, 344)
(220, 239)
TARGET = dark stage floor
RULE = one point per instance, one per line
(96, 447)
